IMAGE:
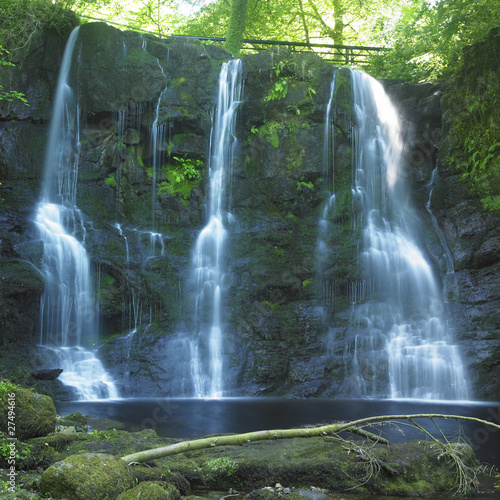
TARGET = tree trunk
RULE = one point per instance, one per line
(304, 21)
(337, 32)
(234, 38)
(338, 16)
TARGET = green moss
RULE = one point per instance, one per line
(24, 413)
(77, 420)
(269, 132)
(89, 476)
(151, 491)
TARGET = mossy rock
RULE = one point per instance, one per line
(35, 414)
(77, 420)
(413, 468)
(151, 491)
(89, 476)
(152, 473)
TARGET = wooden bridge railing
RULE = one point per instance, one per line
(341, 54)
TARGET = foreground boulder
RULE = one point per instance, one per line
(151, 491)
(89, 476)
(32, 414)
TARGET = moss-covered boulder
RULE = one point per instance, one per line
(32, 414)
(89, 476)
(76, 420)
(151, 491)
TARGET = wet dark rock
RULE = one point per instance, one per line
(47, 374)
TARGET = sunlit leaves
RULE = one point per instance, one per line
(428, 40)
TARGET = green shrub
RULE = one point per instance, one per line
(22, 20)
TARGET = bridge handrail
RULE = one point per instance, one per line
(345, 54)
(291, 44)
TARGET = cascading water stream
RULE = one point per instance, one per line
(402, 347)
(69, 313)
(328, 171)
(324, 284)
(209, 265)
(447, 257)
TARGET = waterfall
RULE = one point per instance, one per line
(400, 343)
(447, 257)
(209, 266)
(324, 284)
(69, 312)
(157, 140)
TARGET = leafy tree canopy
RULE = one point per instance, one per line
(428, 38)
(325, 21)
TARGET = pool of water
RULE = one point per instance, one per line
(191, 418)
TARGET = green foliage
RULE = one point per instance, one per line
(475, 127)
(280, 87)
(189, 167)
(21, 21)
(278, 91)
(156, 15)
(307, 282)
(303, 184)
(111, 180)
(159, 16)
(293, 20)
(9, 95)
(427, 40)
(19, 452)
(181, 177)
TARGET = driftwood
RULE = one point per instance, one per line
(354, 427)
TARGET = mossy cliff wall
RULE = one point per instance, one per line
(275, 333)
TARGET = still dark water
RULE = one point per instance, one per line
(191, 418)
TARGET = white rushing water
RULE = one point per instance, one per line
(209, 266)
(69, 312)
(401, 330)
(324, 285)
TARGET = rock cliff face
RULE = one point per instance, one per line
(143, 205)
(473, 236)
